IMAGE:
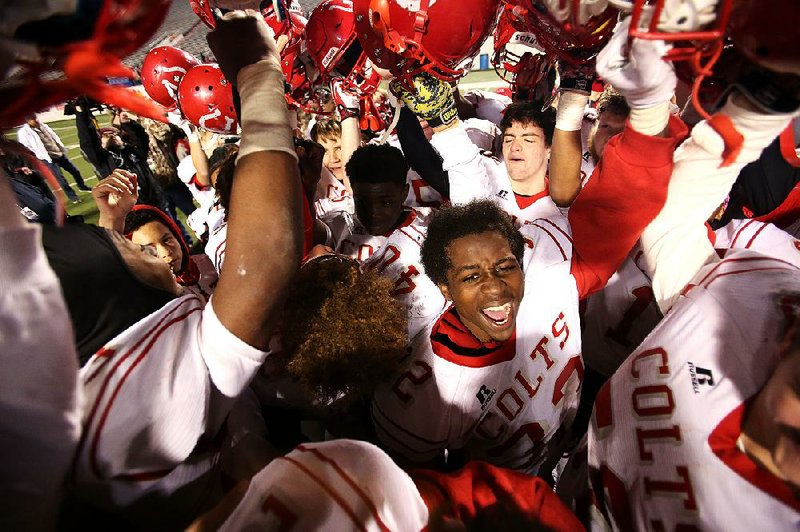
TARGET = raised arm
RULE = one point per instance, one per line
(676, 243)
(629, 186)
(566, 150)
(265, 225)
(348, 107)
(39, 419)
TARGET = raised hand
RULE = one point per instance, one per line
(115, 196)
(242, 38)
(431, 100)
(639, 73)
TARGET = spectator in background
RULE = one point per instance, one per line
(107, 151)
(132, 132)
(163, 159)
(34, 198)
(45, 144)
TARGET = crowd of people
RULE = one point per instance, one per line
(574, 307)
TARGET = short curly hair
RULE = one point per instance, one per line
(530, 113)
(454, 222)
(377, 163)
(343, 332)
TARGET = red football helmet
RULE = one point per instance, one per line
(162, 71)
(206, 99)
(518, 58)
(571, 30)
(332, 45)
(297, 67)
(441, 37)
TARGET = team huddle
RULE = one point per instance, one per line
(568, 304)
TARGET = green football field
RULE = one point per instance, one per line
(69, 136)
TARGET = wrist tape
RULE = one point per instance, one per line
(265, 115)
(571, 105)
(650, 120)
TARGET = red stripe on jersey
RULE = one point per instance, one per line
(722, 441)
(147, 476)
(219, 253)
(327, 489)
(554, 239)
(416, 230)
(101, 393)
(740, 231)
(750, 242)
(104, 415)
(349, 480)
(106, 355)
(452, 341)
(410, 217)
(376, 408)
(557, 228)
(751, 270)
(742, 259)
(410, 237)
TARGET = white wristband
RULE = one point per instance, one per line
(265, 115)
(650, 120)
(571, 105)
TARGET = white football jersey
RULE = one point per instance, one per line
(215, 247)
(203, 195)
(502, 401)
(155, 398)
(473, 176)
(334, 485)
(617, 318)
(399, 260)
(332, 196)
(397, 257)
(662, 442)
(420, 193)
(39, 393)
(758, 236)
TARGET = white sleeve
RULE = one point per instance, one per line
(468, 176)
(186, 170)
(39, 422)
(676, 243)
(153, 392)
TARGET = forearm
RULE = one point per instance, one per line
(351, 141)
(565, 153)
(676, 243)
(419, 153)
(114, 223)
(626, 191)
(467, 175)
(200, 161)
(265, 224)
